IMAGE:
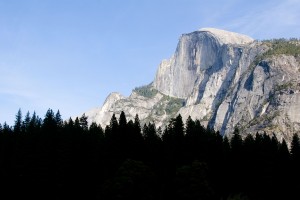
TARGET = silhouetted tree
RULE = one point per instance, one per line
(25, 123)
(49, 122)
(112, 129)
(175, 131)
(159, 132)
(137, 125)
(226, 147)
(34, 124)
(83, 122)
(6, 129)
(18, 122)
(295, 147)
(77, 124)
(149, 132)
(70, 124)
(236, 143)
(283, 152)
(96, 130)
(122, 120)
(190, 127)
(58, 119)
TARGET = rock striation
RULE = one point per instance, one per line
(226, 80)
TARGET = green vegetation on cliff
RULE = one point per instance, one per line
(282, 46)
(146, 91)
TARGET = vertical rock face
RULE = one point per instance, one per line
(265, 98)
(221, 78)
(206, 63)
(197, 54)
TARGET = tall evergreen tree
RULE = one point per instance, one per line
(113, 124)
(33, 124)
(83, 122)
(69, 125)
(175, 130)
(159, 131)
(145, 130)
(295, 147)
(49, 122)
(6, 128)
(149, 132)
(96, 129)
(58, 119)
(249, 144)
(137, 125)
(179, 127)
(26, 122)
(226, 146)
(122, 121)
(18, 122)
(236, 142)
(77, 126)
(283, 152)
(190, 127)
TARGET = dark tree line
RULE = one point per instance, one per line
(54, 159)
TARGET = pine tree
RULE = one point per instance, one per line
(49, 122)
(96, 130)
(18, 122)
(249, 144)
(274, 143)
(69, 125)
(236, 142)
(295, 147)
(58, 119)
(6, 129)
(32, 124)
(83, 122)
(190, 127)
(122, 121)
(145, 130)
(77, 124)
(113, 124)
(175, 130)
(112, 129)
(283, 150)
(226, 147)
(137, 125)
(159, 132)
(179, 127)
(149, 133)
(26, 122)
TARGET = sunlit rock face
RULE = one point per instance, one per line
(224, 80)
(199, 54)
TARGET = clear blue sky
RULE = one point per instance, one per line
(70, 54)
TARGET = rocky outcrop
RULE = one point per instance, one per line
(264, 99)
(198, 55)
(103, 114)
(224, 79)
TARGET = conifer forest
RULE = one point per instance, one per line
(54, 159)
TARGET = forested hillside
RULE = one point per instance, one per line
(51, 159)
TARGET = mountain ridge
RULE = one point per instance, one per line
(226, 80)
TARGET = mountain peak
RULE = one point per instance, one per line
(227, 37)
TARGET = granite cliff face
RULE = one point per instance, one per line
(224, 79)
